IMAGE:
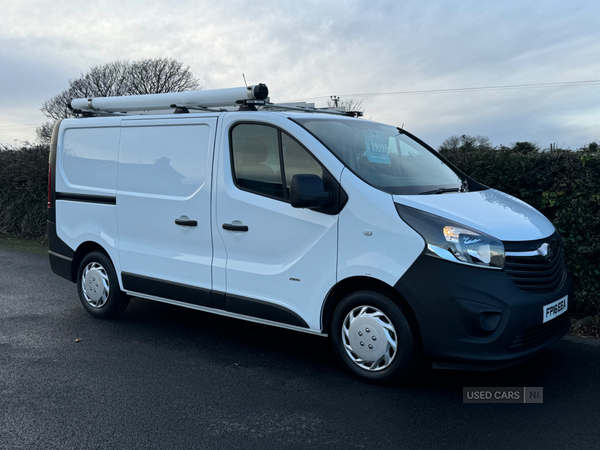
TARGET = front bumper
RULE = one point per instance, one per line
(477, 318)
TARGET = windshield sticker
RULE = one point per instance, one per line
(377, 150)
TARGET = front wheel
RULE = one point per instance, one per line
(373, 337)
(98, 287)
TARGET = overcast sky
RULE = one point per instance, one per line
(383, 53)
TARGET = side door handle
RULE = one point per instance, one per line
(231, 227)
(186, 222)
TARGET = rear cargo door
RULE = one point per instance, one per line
(163, 207)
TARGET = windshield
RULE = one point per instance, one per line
(383, 156)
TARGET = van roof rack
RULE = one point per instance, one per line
(246, 98)
(310, 108)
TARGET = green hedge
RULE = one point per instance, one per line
(24, 190)
(564, 185)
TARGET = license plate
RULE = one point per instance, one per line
(555, 309)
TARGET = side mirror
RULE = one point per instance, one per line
(307, 191)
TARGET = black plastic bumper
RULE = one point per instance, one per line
(477, 317)
(60, 254)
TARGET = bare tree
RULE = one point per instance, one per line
(466, 142)
(346, 105)
(147, 76)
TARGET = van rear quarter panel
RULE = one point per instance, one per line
(87, 165)
(87, 156)
(79, 222)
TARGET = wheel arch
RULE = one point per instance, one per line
(84, 249)
(353, 284)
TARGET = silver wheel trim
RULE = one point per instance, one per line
(369, 338)
(95, 285)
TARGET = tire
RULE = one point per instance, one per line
(98, 287)
(373, 337)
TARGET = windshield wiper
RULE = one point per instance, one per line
(441, 190)
(464, 187)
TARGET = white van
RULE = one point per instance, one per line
(304, 219)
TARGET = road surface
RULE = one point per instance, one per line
(163, 377)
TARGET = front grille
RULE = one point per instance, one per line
(541, 333)
(538, 274)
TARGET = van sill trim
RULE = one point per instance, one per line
(224, 313)
(58, 255)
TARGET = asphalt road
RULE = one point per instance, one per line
(163, 377)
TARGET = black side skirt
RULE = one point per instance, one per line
(211, 299)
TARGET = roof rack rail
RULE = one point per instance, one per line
(310, 109)
(247, 98)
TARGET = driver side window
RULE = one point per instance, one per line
(265, 158)
(297, 161)
(256, 161)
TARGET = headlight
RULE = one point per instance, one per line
(453, 241)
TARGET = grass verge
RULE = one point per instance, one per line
(35, 246)
(588, 327)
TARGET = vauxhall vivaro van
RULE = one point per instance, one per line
(305, 219)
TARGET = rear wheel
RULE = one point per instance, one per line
(373, 338)
(98, 286)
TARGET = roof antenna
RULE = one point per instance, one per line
(244, 79)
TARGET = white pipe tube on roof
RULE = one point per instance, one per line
(208, 99)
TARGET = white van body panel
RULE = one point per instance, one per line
(219, 262)
(87, 163)
(288, 255)
(374, 241)
(89, 222)
(492, 212)
(164, 175)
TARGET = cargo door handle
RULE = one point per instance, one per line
(186, 222)
(235, 227)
